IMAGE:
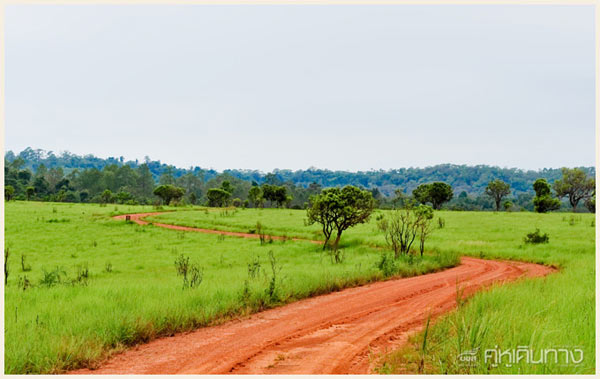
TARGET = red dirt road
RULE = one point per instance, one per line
(329, 334)
(138, 218)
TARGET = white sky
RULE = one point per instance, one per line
(292, 86)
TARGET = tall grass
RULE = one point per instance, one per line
(128, 289)
(545, 313)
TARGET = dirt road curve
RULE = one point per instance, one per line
(138, 218)
(329, 334)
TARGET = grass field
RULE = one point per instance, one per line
(133, 293)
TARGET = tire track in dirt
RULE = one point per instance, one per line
(337, 333)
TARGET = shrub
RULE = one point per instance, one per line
(52, 278)
(387, 264)
(401, 227)
(83, 274)
(536, 237)
(337, 255)
(271, 291)
(191, 274)
(441, 223)
(254, 268)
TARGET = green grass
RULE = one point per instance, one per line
(51, 329)
(553, 312)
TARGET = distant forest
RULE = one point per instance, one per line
(74, 178)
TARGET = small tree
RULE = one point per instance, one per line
(424, 217)
(401, 227)
(29, 192)
(436, 193)
(255, 195)
(497, 189)
(168, 193)
(543, 201)
(421, 193)
(8, 192)
(340, 209)
(217, 197)
(123, 197)
(575, 184)
(107, 196)
(281, 196)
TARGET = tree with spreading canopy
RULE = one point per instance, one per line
(436, 193)
(168, 193)
(339, 209)
(497, 189)
(217, 197)
(576, 185)
(275, 194)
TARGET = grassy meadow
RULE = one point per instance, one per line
(57, 317)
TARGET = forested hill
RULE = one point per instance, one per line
(471, 179)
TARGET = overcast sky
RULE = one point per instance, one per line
(292, 86)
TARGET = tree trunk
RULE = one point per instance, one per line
(325, 243)
(498, 205)
(337, 240)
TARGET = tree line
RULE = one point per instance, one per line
(91, 179)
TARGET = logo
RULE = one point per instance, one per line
(522, 354)
(468, 358)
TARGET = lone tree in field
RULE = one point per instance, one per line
(339, 209)
(168, 193)
(543, 200)
(497, 189)
(576, 185)
(436, 193)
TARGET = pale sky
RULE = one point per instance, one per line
(348, 87)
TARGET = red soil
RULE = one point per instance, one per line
(330, 334)
(138, 218)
